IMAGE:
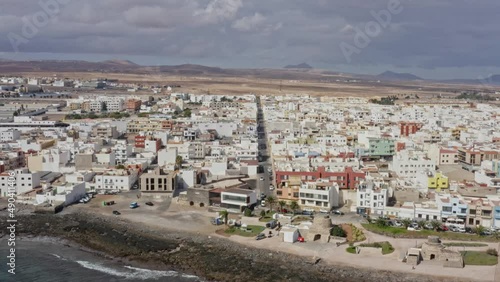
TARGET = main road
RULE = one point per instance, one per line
(265, 160)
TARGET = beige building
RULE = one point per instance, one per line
(105, 131)
(158, 181)
(145, 124)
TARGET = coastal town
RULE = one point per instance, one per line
(405, 181)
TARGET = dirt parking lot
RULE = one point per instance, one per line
(164, 213)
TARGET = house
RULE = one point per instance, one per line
(451, 206)
(480, 212)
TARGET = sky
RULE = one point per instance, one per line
(434, 39)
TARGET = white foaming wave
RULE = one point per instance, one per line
(58, 256)
(132, 273)
(151, 274)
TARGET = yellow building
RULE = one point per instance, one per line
(438, 181)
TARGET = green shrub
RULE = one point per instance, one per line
(338, 231)
(248, 212)
(351, 249)
(492, 252)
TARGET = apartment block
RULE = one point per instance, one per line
(158, 181)
(321, 194)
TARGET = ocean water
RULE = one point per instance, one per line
(50, 262)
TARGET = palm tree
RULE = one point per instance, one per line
(271, 200)
(262, 213)
(435, 225)
(178, 161)
(406, 222)
(381, 222)
(282, 204)
(224, 214)
(422, 224)
(480, 229)
(294, 206)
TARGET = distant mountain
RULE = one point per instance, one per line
(493, 79)
(120, 62)
(299, 66)
(389, 75)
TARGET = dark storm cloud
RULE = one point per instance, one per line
(426, 33)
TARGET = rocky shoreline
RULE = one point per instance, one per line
(208, 257)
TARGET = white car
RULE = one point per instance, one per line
(323, 211)
(271, 187)
(261, 178)
(263, 203)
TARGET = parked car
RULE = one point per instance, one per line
(323, 211)
(337, 212)
(110, 203)
(260, 236)
(150, 204)
(116, 213)
(307, 213)
(461, 229)
(263, 203)
(262, 196)
(301, 239)
(486, 233)
(261, 178)
(397, 223)
(428, 226)
(271, 187)
(443, 228)
(134, 205)
(271, 224)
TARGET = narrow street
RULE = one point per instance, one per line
(263, 179)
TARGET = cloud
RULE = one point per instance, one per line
(427, 34)
(218, 11)
(249, 23)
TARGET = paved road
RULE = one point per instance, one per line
(263, 185)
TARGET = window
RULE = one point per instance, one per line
(447, 209)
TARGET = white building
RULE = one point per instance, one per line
(409, 165)
(167, 156)
(11, 134)
(24, 180)
(238, 199)
(114, 180)
(320, 195)
(371, 198)
(66, 193)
